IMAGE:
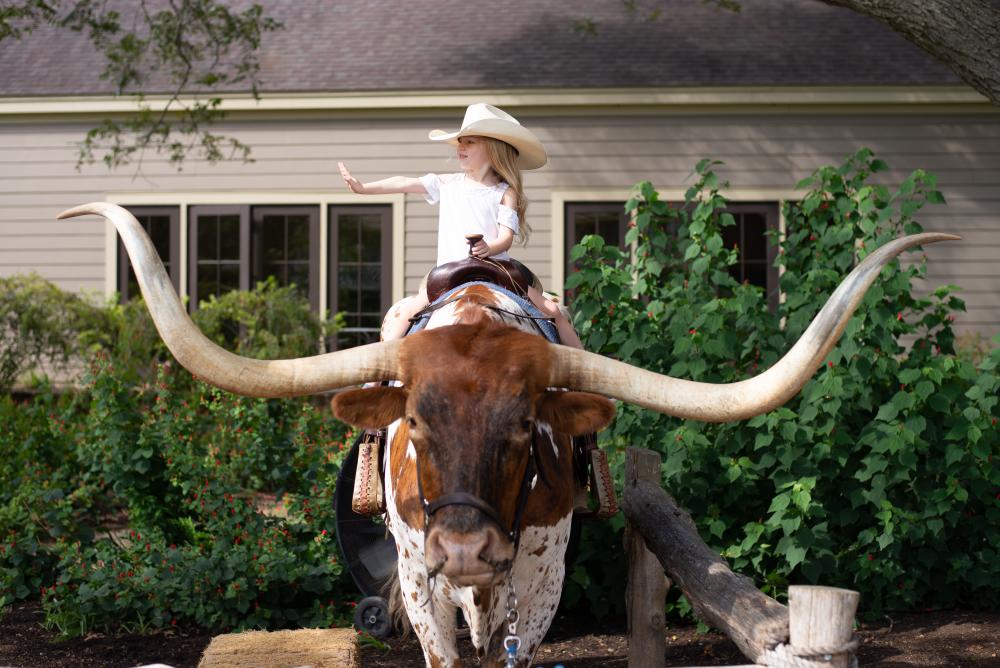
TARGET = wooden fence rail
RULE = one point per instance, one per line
(814, 630)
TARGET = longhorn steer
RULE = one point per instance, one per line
(483, 435)
(493, 446)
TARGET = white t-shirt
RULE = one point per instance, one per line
(467, 208)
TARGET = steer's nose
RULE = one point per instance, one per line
(468, 558)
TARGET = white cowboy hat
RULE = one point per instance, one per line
(485, 120)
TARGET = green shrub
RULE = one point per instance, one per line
(879, 474)
(132, 502)
(41, 327)
(268, 322)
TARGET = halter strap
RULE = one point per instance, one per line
(465, 499)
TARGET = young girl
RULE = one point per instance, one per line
(485, 198)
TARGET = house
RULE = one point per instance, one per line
(774, 91)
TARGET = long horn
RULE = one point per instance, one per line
(710, 402)
(219, 367)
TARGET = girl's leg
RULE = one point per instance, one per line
(397, 320)
(567, 334)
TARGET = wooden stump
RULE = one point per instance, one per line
(317, 648)
(822, 618)
(646, 591)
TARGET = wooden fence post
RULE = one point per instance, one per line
(822, 617)
(646, 590)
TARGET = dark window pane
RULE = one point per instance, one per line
(731, 236)
(159, 231)
(229, 278)
(371, 239)
(608, 228)
(229, 237)
(208, 280)
(371, 321)
(272, 269)
(754, 239)
(349, 239)
(272, 239)
(347, 289)
(299, 275)
(298, 238)
(133, 284)
(371, 300)
(756, 274)
(208, 237)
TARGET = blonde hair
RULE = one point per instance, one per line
(503, 159)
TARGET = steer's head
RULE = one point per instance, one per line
(471, 399)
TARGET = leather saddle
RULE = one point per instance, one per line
(508, 274)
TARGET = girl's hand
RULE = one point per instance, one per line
(481, 249)
(353, 184)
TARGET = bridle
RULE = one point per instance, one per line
(465, 499)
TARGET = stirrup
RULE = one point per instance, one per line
(598, 483)
(369, 498)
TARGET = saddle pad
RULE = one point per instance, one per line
(547, 328)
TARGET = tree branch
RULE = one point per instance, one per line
(962, 34)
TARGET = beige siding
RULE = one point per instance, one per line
(38, 178)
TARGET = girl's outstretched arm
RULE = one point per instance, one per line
(393, 184)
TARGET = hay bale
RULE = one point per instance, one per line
(316, 648)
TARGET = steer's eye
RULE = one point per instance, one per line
(412, 421)
(527, 424)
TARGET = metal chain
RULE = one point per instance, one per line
(786, 656)
(512, 642)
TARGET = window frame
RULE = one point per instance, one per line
(334, 211)
(122, 260)
(196, 210)
(257, 212)
(772, 215)
(574, 207)
(560, 197)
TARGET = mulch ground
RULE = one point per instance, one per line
(954, 639)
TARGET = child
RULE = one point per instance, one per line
(485, 198)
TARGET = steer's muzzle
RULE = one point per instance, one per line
(479, 558)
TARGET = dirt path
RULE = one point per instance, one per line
(949, 638)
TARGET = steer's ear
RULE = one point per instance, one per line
(575, 413)
(371, 407)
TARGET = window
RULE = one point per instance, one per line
(757, 254)
(162, 225)
(606, 219)
(360, 270)
(284, 243)
(233, 247)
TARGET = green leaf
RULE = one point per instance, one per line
(795, 555)
(779, 502)
(887, 412)
(879, 166)
(954, 453)
(935, 197)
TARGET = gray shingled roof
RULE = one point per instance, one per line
(371, 45)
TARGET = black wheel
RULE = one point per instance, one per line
(372, 617)
(369, 550)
